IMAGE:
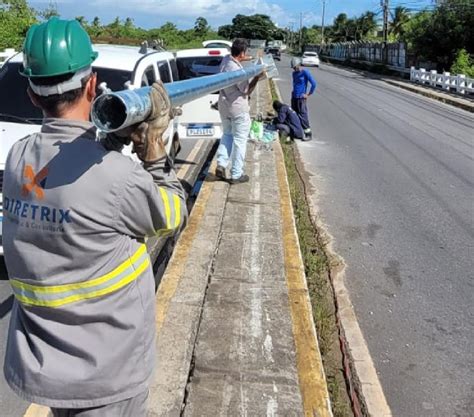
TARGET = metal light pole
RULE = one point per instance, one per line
(113, 111)
(301, 32)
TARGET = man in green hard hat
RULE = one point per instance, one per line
(76, 215)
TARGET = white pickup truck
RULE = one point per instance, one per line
(120, 67)
(199, 118)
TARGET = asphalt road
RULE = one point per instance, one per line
(393, 180)
(188, 165)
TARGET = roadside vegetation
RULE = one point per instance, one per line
(16, 16)
(441, 33)
(318, 275)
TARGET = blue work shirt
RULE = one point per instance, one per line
(300, 83)
(288, 116)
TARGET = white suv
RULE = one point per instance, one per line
(199, 118)
(310, 59)
(119, 67)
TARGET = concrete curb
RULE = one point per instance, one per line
(369, 385)
(445, 98)
(312, 378)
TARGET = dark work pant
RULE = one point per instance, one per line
(283, 128)
(301, 109)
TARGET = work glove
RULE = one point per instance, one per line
(147, 137)
(115, 141)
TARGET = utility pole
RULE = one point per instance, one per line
(322, 23)
(384, 4)
(301, 32)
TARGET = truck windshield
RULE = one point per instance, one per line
(198, 66)
(16, 106)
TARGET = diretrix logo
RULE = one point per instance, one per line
(36, 182)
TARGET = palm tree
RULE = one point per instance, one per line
(400, 17)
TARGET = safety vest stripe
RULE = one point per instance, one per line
(88, 295)
(59, 295)
(85, 284)
(166, 203)
(177, 211)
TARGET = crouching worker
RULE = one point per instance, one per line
(76, 215)
(288, 122)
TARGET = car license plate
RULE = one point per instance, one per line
(201, 131)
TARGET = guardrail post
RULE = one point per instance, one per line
(469, 85)
(423, 75)
(461, 84)
(446, 81)
(433, 74)
(412, 74)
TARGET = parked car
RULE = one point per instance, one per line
(119, 67)
(200, 117)
(310, 59)
(217, 44)
(275, 52)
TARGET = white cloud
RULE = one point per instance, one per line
(184, 12)
(215, 11)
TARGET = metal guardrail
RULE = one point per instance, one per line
(458, 83)
(7, 53)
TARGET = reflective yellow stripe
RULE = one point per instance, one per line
(85, 284)
(177, 210)
(94, 294)
(166, 203)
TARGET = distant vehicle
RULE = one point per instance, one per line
(119, 67)
(257, 44)
(217, 44)
(276, 53)
(310, 59)
(199, 119)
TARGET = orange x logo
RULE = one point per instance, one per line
(34, 184)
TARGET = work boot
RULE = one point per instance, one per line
(220, 173)
(240, 180)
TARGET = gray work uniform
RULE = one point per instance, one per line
(75, 217)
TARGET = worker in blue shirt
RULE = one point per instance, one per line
(301, 78)
(287, 122)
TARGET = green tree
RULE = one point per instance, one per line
(340, 28)
(16, 17)
(463, 64)
(82, 20)
(50, 11)
(365, 26)
(437, 36)
(258, 26)
(226, 31)
(201, 27)
(400, 18)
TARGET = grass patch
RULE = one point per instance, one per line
(317, 269)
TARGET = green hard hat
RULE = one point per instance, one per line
(56, 47)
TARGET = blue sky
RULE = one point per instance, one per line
(153, 13)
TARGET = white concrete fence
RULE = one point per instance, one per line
(458, 83)
(6, 54)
